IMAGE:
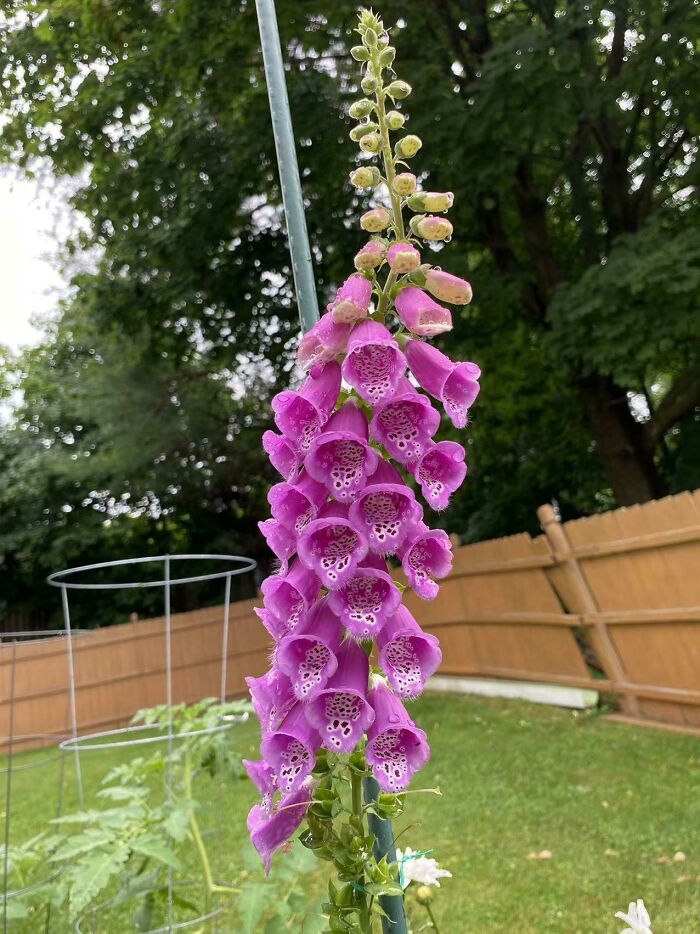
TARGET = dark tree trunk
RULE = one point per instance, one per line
(620, 442)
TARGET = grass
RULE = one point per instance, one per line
(607, 800)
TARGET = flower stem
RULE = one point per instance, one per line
(432, 919)
(365, 917)
(210, 886)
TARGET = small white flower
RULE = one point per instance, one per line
(637, 918)
(420, 869)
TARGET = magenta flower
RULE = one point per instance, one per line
(262, 776)
(368, 599)
(272, 697)
(374, 364)
(295, 505)
(426, 557)
(407, 655)
(331, 547)
(270, 829)
(405, 424)
(290, 750)
(276, 627)
(300, 415)
(323, 342)
(386, 510)
(421, 314)
(396, 747)
(402, 257)
(352, 300)
(279, 540)
(282, 453)
(456, 385)
(340, 711)
(340, 457)
(288, 596)
(308, 656)
(448, 288)
(440, 472)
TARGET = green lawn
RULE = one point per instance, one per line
(606, 800)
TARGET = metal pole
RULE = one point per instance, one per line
(307, 301)
(292, 196)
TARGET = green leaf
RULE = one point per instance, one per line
(90, 877)
(251, 904)
(155, 848)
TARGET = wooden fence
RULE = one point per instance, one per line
(625, 583)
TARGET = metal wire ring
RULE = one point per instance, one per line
(243, 565)
(79, 742)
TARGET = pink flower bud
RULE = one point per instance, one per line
(431, 201)
(403, 257)
(376, 220)
(404, 184)
(430, 227)
(420, 314)
(448, 288)
(371, 255)
(351, 300)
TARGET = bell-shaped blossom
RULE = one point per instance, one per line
(291, 749)
(322, 342)
(352, 300)
(448, 288)
(402, 257)
(283, 455)
(374, 365)
(288, 596)
(405, 424)
(375, 220)
(264, 779)
(295, 505)
(271, 828)
(426, 557)
(396, 747)
(368, 599)
(340, 711)
(456, 385)
(277, 628)
(331, 547)
(301, 414)
(279, 540)
(421, 314)
(340, 457)
(272, 697)
(430, 227)
(404, 183)
(407, 655)
(371, 255)
(308, 656)
(431, 201)
(440, 472)
(386, 510)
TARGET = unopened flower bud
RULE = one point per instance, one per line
(360, 109)
(424, 894)
(371, 255)
(367, 176)
(402, 257)
(408, 146)
(448, 288)
(398, 90)
(376, 220)
(430, 227)
(359, 53)
(361, 130)
(404, 184)
(387, 56)
(370, 37)
(431, 201)
(369, 84)
(371, 142)
(395, 120)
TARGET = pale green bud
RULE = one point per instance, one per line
(371, 142)
(395, 120)
(367, 176)
(408, 146)
(370, 37)
(430, 227)
(387, 56)
(360, 109)
(376, 220)
(359, 53)
(431, 201)
(404, 184)
(424, 894)
(361, 130)
(398, 90)
(369, 84)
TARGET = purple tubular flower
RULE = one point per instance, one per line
(407, 655)
(456, 385)
(262, 776)
(288, 596)
(352, 300)
(279, 540)
(275, 627)
(396, 747)
(374, 364)
(295, 505)
(421, 314)
(405, 424)
(331, 547)
(425, 558)
(272, 697)
(300, 415)
(290, 750)
(386, 510)
(440, 472)
(282, 454)
(340, 712)
(271, 829)
(340, 457)
(323, 342)
(368, 599)
(308, 656)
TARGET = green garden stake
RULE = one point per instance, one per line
(307, 302)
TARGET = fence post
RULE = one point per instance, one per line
(580, 600)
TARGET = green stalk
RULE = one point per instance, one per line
(356, 787)
(211, 887)
(432, 918)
